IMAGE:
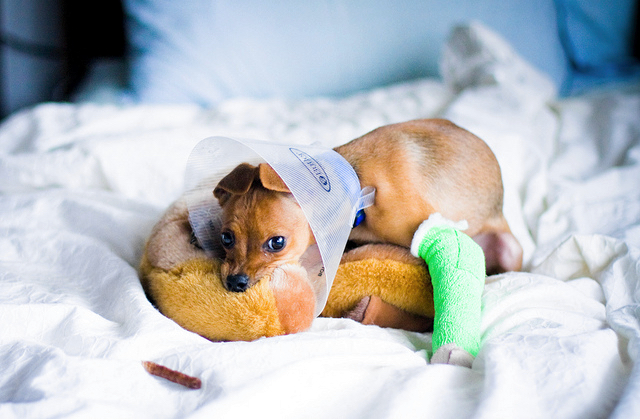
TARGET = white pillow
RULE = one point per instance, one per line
(205, 51)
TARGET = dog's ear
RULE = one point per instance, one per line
(237, 182)
(271, 180)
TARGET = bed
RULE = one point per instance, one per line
(82, 184)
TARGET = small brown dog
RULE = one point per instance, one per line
(417, 168)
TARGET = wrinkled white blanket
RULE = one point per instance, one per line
(81, 186)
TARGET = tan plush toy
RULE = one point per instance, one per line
(375, 284)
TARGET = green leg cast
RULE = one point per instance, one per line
(457, 268)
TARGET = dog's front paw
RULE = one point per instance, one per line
(359, 311)
(372, 310)
(450, 354)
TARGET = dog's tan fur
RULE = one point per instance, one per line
(421, 167)
(418, 168)
(254, 218)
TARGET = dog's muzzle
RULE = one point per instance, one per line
(237, 282)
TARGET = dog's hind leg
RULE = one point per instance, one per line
(502, 251)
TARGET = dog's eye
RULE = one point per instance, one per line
(275, 244)
(228, 239)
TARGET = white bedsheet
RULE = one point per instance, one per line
(81, 186)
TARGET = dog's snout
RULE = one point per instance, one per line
(237, 282)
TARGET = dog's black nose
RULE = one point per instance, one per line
(237, 282)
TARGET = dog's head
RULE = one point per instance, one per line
(263, 226)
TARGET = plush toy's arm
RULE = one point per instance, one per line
(457, 268)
